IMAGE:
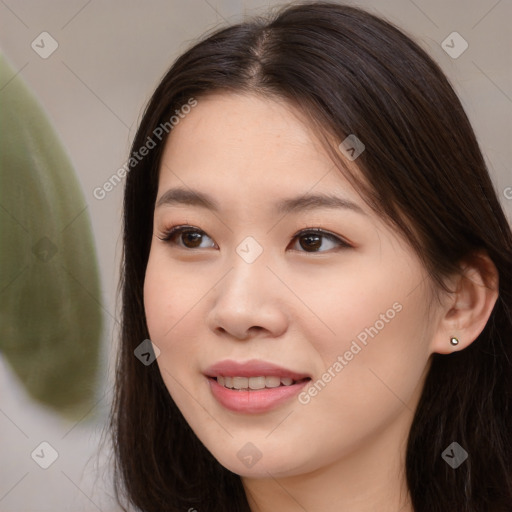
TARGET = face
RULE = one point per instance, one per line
(323, 294)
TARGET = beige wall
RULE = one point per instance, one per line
(110, 55)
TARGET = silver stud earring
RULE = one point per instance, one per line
(454, 340)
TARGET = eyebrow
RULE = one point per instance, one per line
(183, 196)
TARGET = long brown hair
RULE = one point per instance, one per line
(351, 73)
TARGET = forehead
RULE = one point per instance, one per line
(248, 144)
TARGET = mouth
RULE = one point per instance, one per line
(240, 383)
(254, 386)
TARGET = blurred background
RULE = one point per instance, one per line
(91, 65)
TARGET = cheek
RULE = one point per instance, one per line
(378, 344)
(156, 301)
(169, 299)
(170, 295)
(375, 383)
(351, 306)
(172, 300)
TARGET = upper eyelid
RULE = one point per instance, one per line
(313, 229)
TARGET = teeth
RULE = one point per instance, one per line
(256, 382)
(272, 382)
(240, 382)
(253, 382)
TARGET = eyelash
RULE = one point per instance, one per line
(168, 234)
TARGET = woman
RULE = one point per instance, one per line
(314, 247)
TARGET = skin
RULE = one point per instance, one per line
(296, 306)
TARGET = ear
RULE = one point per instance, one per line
(465, 312)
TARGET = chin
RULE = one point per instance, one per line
(275, 465)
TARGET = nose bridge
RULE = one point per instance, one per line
(245, 298)
(249, 270)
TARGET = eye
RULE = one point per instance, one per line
(313, 239)
(191, 238)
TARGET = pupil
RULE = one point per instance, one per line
(314, 245)
(194, 237)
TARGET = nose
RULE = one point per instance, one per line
(248, 302)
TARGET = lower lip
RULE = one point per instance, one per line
(254, 401)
